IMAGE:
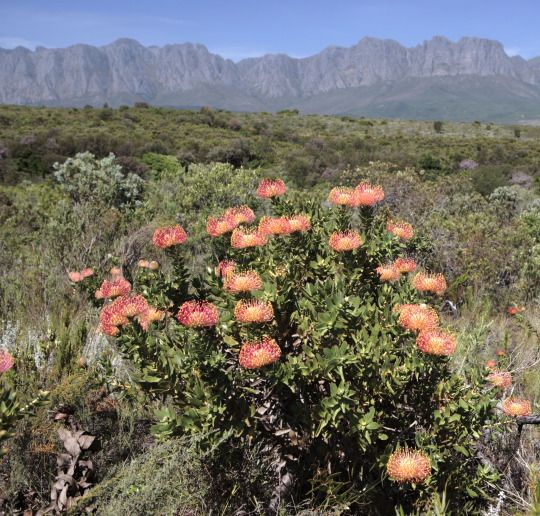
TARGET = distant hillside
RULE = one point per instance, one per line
(468, 80)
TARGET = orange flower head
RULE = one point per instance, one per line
(259, 354)
(116, 287)
(242, 238)
(253, 311)
(151, 315)
(198, 314)
(269, 188)
(491, 364)
(429, 283)
(218, 226)
(225, 267)
(6, 361)
(402, 230)
(342, 196)
(111, 316)
(167, 237)
(130, 306)
(436, 342)
(514, 310)
(388, 273)
(411, 466)
(242, 282)
(300, 223)
(517, 407)
(366, 194)
(345, 241)
(500, 352)
(274, 226)
(153, 265)
(418, 318)
(116, 272)
(109, 329)
(240, 214)
(405, 265)
(85, 273)
(502, 379)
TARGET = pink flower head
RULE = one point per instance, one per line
(240, 215)
(299, 223)
(402, 230)
(167, 237)
(242, 238)
(6, 361)
(345, 241)
(253, 311)
(366, 194)
(269, 188)
(388, 273)
(218, 226)
(198, 314)
(429, 283)
(149, 316)
(254, 355)
(418, 317)
(341, 196)
(225, 267)
(75, 276)
(247, 281)
(274, 226)
(436, 342)
(404, 265)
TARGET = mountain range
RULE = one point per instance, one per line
(471, 79)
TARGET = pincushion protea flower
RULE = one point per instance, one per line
(242, 282)
(436, 342)
(145, 264)
(300, 223)
(435, 283)
(116, 272)
(76, 276)
(225, 267)
(253, 311)
(418, 317)
(110, 319)
(167, 237)
(405, 265)
(490, 364)
(502, 379)
(388, 273)
(6, 361)
(117, 287)
(218, 226)
(517, 407)
(197, 314)
(240, 214)
(130, 306)
(411, 466)
(259, 354)
(366, 194)
(500, 352)
(274, 226)
(149, 316)
(271, 188)
(341, 196)
(242, 238)
(345, 241)
(514, 310)
(402, 230)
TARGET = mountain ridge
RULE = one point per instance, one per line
(127, 71)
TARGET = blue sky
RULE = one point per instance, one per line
(245, 28)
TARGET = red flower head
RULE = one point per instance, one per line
(366, 194)
(300, 223)
(429, 283)
(167, 237)
(388, 273)
(240, 215)
(146, 318)
(109, 329)
(242, 282)
(242, 238)
(514, 310)
(502, 379)
(111, 318)
(491, 364)
(253, 311)
(418, 317)
(6, 361)
(225, 267)
(517, 407)
(271, 188)
(405, 265)
(345, 241)
(259, 354)
(130, 306)
(402, 230)
(218, 226)
(500, 352)
(197, 314)
(274, 226)
(117, 287)
(411, 466)
(342, 196)
(436, 342)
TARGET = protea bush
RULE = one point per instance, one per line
(313, 335)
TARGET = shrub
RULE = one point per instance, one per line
(326, 373)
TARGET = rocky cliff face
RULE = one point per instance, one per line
(127, 70)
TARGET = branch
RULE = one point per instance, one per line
(527, 420)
